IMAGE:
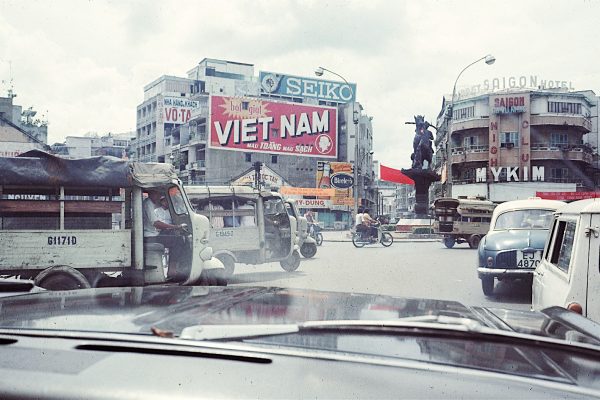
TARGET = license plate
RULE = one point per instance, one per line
(528, 260)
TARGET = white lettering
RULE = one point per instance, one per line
(320, 124)
(512, 173)
(331, 91)
(480, 175)
(309, 88)
(249, 130)
(287, 126)
(223, 135)
(496, 173)
(525, 173)
(293, 86)
(265, 121)
(537, 173)
(303, 125)
(348, 90)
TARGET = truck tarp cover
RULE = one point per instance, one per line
(38, 168)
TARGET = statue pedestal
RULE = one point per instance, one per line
(423, 179)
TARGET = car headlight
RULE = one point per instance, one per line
(490, 262)
(206, 254)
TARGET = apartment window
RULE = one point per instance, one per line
(558, 139)
(248, 157)
(464, 113)
(564, 107)
(509, 139)
(559, 173)
(245, 105)
(273, 159)
(470, 141)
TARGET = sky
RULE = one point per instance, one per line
(84, 63)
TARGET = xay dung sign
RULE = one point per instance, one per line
(256, 125)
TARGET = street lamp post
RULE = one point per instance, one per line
(319, 72)
(489, 60)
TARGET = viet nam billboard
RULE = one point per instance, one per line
(257, 125)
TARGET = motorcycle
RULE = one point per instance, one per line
(360, 239)
(314, 231)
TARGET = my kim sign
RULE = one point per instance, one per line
(256, 125)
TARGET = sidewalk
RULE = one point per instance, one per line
(346, 236)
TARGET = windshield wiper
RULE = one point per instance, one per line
(223, 332)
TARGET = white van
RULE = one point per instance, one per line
(569, 273)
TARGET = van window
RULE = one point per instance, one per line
(563, 245)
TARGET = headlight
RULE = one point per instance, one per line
(490, 262)
(206, 254)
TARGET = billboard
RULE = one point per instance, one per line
(256, 125)
(338, 176)
(178, 110)
(296, 86)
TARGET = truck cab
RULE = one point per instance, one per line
(569, 272)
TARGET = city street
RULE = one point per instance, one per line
(424, 269)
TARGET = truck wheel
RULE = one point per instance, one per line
(487, 284)
(228, 263)
(61, 277)
(291, 263)
(308, 250)
(474, 241)
(449, 242)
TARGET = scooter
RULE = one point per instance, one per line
(361, 239)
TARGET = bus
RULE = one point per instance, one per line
(462, 220)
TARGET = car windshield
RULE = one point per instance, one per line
(524, 219)
(327, 150)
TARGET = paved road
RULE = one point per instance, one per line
(410, 269)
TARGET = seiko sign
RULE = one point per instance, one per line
(342, 180)
(296, 86)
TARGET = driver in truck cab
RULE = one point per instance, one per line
(159, 227)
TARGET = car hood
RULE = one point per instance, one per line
(515, 239)
(137, 310)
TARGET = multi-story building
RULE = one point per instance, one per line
(116, 145)
(173, 125)
(19, 132)
(512, 144)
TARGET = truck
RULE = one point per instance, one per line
(462, 220)
(78, 223)
(247, 225)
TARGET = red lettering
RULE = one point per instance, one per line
(493, 162)
(524, 157)
(493, 149)
(525, 124)
(494, 137)
(494, 126)
(523, 141)
(168, 114)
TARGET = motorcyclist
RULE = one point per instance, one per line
(371, 224)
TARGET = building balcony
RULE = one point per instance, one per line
(197, 165)
(472, 123)
(199, 138)
(578, 121)
(561, 152)
(469, 154)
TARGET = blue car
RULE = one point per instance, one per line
(513, 246)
